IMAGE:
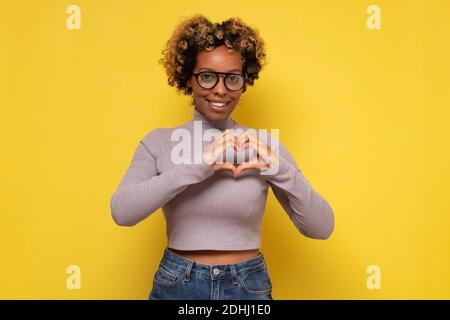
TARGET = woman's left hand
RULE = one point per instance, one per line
(265, 158)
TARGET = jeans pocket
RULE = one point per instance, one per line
(256, 282)
(166, 276)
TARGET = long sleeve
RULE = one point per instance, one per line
(142, 191)
(308, 210)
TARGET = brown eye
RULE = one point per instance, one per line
(207, 80)
(207, 76)
(234, 81)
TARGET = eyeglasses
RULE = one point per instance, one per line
(209, 79)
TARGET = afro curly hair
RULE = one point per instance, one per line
(197, 33)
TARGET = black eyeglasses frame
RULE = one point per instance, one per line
(224, 75)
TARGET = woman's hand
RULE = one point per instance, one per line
(264, 158)
(216, 149)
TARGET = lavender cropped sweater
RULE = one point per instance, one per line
(208, 210)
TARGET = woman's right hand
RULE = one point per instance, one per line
(216, 149)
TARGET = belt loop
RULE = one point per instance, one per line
(187, 272)
(234, 274)
(264, 261)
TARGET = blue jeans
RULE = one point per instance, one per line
(178, 278)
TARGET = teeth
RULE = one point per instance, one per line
(217, 104)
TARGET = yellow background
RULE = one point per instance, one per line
(364, 112)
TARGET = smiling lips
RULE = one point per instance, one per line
(218, 105)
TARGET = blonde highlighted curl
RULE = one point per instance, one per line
(196, 34)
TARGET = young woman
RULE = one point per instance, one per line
(214, 208)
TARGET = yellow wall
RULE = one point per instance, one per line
(364, 112)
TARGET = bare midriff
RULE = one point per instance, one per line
(217, 257)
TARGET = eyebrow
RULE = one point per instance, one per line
(209, 69)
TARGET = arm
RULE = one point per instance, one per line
(141, 191)
(308, 210)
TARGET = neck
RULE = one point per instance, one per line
(224, 124)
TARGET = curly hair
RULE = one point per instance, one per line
(197, 33)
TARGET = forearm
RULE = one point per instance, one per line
(133, 203)
(308, 210)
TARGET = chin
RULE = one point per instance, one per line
(216, 116)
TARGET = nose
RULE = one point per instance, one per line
(220, 87)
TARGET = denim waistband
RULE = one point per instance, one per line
(213, 272)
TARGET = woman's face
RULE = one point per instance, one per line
(221, 59)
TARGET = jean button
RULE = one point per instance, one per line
(216, 271)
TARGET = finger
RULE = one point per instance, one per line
(215, 140)
(211, 155)
(222, 140)
(218, 167)
(216, 147)
(226, 139)
(252, 145)
(222, 147)
(253, 163)
(243, 137)
(235, 142)
(225, 166)
(221, 135)
(219, 138)
(259, 142)
(261, 149)
(252, 139)
(246, 165)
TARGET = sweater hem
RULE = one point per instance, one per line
(212, 247)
